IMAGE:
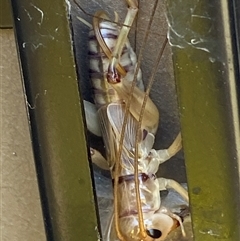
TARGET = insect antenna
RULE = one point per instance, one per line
(150, 83)
(139, 206)
(143, 232)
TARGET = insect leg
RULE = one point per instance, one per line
(176, 146)
(165, 154)
(92, 118)
(122, 37)
(98, 16)
(169, 183)
(98, 159)
(174, 216)
(92, 121)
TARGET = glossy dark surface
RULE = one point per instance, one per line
(55, 117)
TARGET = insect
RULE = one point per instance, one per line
(129, 120)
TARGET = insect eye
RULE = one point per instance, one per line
(154, 233)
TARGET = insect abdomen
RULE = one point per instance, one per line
(99, 63)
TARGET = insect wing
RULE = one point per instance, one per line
(115, 114)
(115, 117)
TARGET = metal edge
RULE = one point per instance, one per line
(6, 15)
(207, 92)
(55, 116)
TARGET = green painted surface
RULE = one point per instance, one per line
(206, 97)
(48, 66)
(5, 14)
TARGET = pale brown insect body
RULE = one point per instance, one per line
(138, 214)
(103, 92)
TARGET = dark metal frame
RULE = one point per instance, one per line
(44, 40)
(5, 14)
(208, 96)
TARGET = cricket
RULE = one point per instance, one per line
(124, 115)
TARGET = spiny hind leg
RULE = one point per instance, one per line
(114, 56)
(122, 37)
